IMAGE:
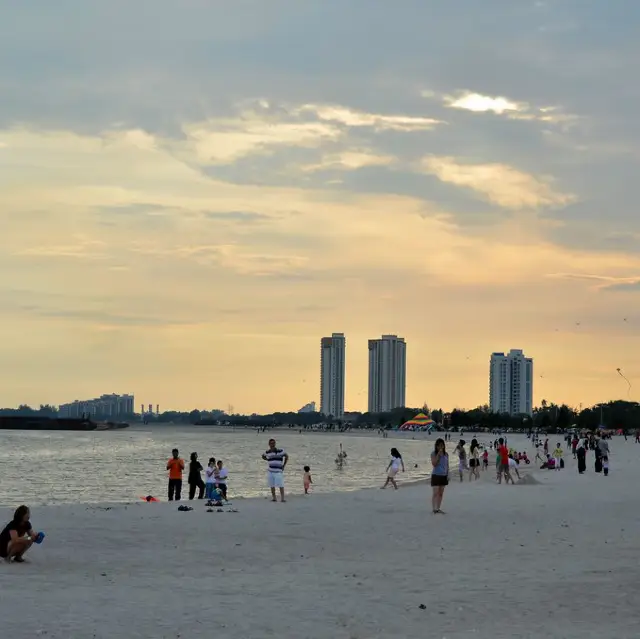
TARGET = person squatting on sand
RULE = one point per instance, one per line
(175, 466)
(513, 465)
(439, 475)
(393, 468)
(276, 459)
(17, 537)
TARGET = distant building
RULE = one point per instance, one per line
(105, 406)
(387, 373)
(308, 408)
(511, 383)
(332, 375)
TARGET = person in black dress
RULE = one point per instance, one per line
(195, 477)
(581, 454)
(18, 536)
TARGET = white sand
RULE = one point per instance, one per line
(558, 559)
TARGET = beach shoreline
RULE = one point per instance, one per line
(554, 556)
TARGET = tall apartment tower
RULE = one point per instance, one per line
(387, 373)
(511, 383)
(332, 375)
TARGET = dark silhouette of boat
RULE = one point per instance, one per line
(35, 422)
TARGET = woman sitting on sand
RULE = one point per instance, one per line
(17, 536)
(439, 475)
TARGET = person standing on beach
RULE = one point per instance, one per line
(581, 453)
(195, 477)
(222, 477)
(474, 460)
(306, 480)
(503, 453)
(210, 475)
(602, 447)
(462, 458)
(175, 466)
(439, 475)
(557, 455)
(393, 468)
(277, 460)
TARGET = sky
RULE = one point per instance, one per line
(194, 192)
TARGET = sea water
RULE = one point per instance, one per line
(51, 467)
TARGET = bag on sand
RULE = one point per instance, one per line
(562, 463)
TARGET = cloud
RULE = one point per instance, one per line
(482, 103)
(625, 287)
(246, 217)
(351, 118)
(498, 183)
(205, 198)
(350, 160)
(511, 109)
(83, 249)
(226, 141)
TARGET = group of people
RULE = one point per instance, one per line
(600, 447)
(214, 487)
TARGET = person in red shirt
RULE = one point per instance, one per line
(175, 466)
(503, 451)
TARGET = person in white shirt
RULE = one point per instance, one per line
(210, 480)
(513, 465)
(222, 479)
(393, 468)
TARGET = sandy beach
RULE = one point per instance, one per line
(555, 556)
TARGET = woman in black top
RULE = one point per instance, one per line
(195, 479)
(17, 536)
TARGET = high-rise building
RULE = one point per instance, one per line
(511, 383)
(105, 406)
(332, 375)
(387, 373)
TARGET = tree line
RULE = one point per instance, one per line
(548, 417)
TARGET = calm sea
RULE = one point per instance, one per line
(51, 467)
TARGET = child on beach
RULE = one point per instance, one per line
(557, 455)
(393, 468)
(485, 459)
(210, 480)
(306, 479)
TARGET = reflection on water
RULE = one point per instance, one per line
(49, 467)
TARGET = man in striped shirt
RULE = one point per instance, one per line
(277, 460)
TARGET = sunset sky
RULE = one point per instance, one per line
(194, 192)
